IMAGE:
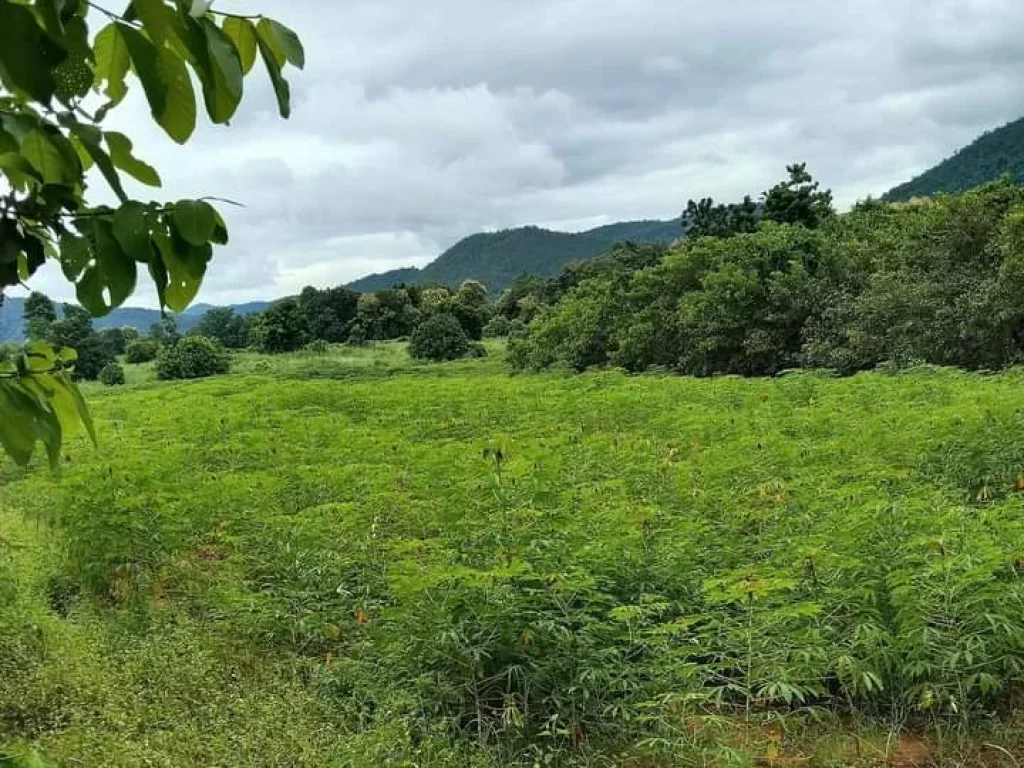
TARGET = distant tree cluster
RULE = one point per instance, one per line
(934, 281)
(74, 328)
(338, 315)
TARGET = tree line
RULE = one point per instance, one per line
(760, 288)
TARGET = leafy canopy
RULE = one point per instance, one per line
(59, 80)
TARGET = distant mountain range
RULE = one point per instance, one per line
(11, 320)
(498, 258)
(988, 158)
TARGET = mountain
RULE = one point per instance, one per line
(498, 258)
(991, 156)
(11, 320)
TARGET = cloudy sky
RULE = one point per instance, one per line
(418, 123)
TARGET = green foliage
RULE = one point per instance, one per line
(75, 331)
(440, 337)
(329, 314)
(460, 568)
(933, 282)
(993, 155)
(165, 332)
(40, 313)
(705, 219)
(387, 314)
(51, 136)
(798, 200)
(193, 357)
(282, 328)
(141, 351)
(224, 326)
(114, 339)
(112, 375)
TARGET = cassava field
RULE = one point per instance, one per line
(353, 560)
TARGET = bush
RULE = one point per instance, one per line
(439, 337)
(141, 351)
(112, 375)
(194, 357)
(498, 327)
(318, 347)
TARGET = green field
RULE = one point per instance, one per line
(352, 560)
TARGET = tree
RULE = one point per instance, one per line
(75, 332)
(440, 337)
(114, 339)
(39, 313)
(50, 61)
(194, 357)
(282, 328)
(330, 313)
(222, 325)
(165, 332)
(705, 219)
(800, 200)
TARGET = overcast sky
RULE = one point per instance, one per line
(418, 123)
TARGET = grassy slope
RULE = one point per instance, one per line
(268, 549)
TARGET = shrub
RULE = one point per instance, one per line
(194, 357)
(318, 347)
(498, 327)
(112, 375)
(141, 351)
(439, 337)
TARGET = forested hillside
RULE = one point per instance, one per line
(498, 258)
(996, 153)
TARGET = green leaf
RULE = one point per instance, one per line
(242, 33)
(220, 230)
(166, 83)
(267, 38)
(287, 42)
(27, 54)
(131, 229)
(112, 61)
(195, 221)
(74, 255)
(185, 266)
(223, 93)
(90, 138)
(156, 18)
(121, 154)
(281, 89)
(110, 276)
(17, 169)
(46, 158)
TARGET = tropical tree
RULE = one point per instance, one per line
(39, 313)
(223, 325)
(798, 200)
(59, 80)
(165, 332)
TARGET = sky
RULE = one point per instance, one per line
(418, 123)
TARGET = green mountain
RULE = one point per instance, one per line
(996, 153)
(498, 258)
(11, 320)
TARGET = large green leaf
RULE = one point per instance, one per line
(225, 91)
(131, 229)
(195, 221)
(288, 42)
(166, 83)
(281, 89)
(44, 156)
(110, 276)
(267, 37)
(185, 267)
(156, 18)
(121, 154)
(28, 54)
(112, 61)
(243, 34)
(74, 255)
(90, 137)
(18, 170)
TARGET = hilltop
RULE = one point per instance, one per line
(498, 258)
(991, 156)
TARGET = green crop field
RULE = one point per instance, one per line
(353, 560)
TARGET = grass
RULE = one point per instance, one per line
(350, 559)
